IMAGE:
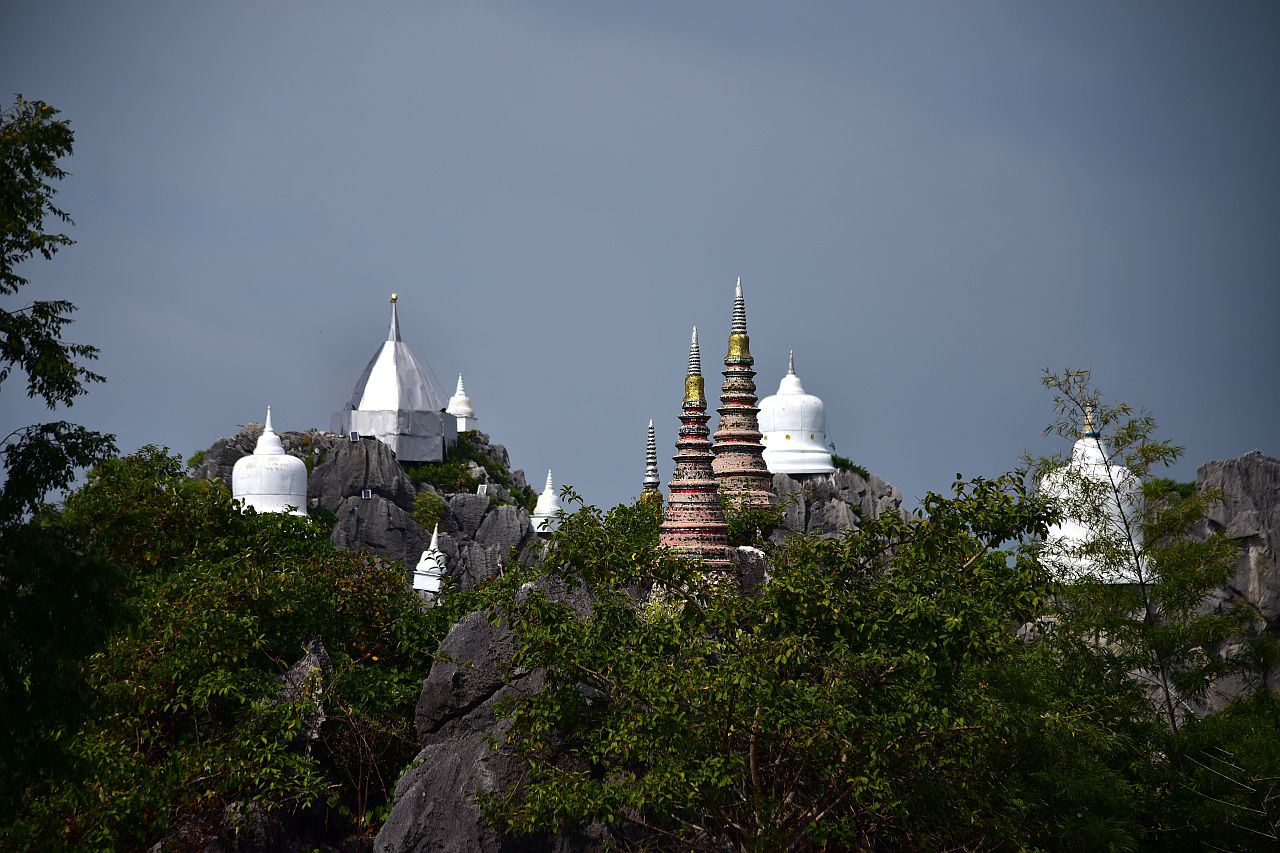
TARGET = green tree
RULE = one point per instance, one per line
(187, 715)
(57, 604)
(42, 457)
(873, 694)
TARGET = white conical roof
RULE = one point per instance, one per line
(394, 380)
(1101, 502)
(460, 403)
(793, 426)
(429, 573)
(544, 515)
(269, 479)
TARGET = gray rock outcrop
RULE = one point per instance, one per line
(828, 504)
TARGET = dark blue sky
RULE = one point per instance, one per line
(928, 202)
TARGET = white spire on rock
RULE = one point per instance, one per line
(428, 576)
(269, 479)
(460, 408)
(794, 428)
(544, 515)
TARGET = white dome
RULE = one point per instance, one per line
(793, 425)
(1079, 486)
(543, 519)
(270, 480)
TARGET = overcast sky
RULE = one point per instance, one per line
(929, 202)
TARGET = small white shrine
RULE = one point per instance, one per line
(793, 425)
(269, 479)
(460, 407)
(1101, 502)
(428, 575)
(544, 518)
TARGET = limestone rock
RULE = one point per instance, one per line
(505, 528)
(346, 468)
(829, 504)
(468, 511)
(378, 526)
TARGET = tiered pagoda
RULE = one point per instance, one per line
(694, 525)
(650, 491)
(739, 456)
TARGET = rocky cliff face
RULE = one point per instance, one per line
(477, 534)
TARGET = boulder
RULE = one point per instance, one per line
(505, 528)
(378, 526)
(346, 468)
(468, 511)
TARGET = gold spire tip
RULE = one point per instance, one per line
(394, 297)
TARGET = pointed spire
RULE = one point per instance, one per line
(550, 487)
(462, 389)
(268, 444)
(739, 311)
(791, 362)
(435, 538)
(651, 480)
(394, 333)
(543, 517)
(266, 427)
(1090, 431)
(694, 390)
(695, 355)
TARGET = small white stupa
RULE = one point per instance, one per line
(270, 480)
(544, 515)
(1101, 503)
(396, 402)
(460, 407)
(428, 576)
(794, 429)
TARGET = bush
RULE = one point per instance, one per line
(428, 509)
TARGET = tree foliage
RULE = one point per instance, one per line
(43, 457)
(187, 709)
(872, 693)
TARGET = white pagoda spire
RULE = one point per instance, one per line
(794, 424)
(544, 515)
(428, 576)
(460, 407)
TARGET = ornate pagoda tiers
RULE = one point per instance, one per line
(650, 491)
(795, 429)
(543, 519)
(428, 576)
(396, 402)
(694, 525)
(739, 456)
(460, 407)
(270, 480)
(1101, 503)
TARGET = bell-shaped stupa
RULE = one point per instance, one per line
(739, 455)
(460, 407)
(269, 479)
(428, 575)
(795, 429)
(544, 517)
(694, 525)
(396, 402)
(1101, 502)
(650, 486)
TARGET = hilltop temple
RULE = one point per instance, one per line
(396, 402)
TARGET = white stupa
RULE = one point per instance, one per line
(428, 576)
(794, 428)
(544, 515)
(270, 480)
(1101, 503)
(460, 407)
(396, 402)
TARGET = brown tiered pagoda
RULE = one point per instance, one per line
(694, 524)
(739, 456)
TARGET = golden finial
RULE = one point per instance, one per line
(394, 297)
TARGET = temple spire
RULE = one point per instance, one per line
(266, 427)
(650, 489)
(1090, 431)
(791, 362)
(739, 455)
(393, 334)
(694, 525)
(545, 512)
